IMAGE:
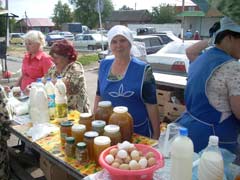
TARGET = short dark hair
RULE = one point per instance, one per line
(220, 36)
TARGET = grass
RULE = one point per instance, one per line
(88, 59)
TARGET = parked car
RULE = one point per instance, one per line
(51, 38)
(90, 41)
(167, 36)
(16, 38)
(171, 58)
(152, 43)
(67, 35)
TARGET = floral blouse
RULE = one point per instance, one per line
(73, 77)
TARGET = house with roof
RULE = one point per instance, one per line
(125, 17)
(45, 25)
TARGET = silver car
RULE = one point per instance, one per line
(171, 58)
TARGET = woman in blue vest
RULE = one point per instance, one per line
(127, 81)
(212, 95)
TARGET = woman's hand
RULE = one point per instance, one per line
(27, 90)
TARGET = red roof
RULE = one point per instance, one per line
(38, 22)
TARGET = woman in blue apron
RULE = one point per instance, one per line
(127, 81)
(212, 95)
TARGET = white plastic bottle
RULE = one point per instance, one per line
(181, 156)
(211, 162)
(61, 100)
(49, 86)
(32, 103)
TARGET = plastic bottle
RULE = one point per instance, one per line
(181, 156)
(61, 100)
(32, 103)
(211, 162)
(50, 89)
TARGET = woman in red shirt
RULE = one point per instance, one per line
(35, 62)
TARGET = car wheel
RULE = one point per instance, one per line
(90, 47)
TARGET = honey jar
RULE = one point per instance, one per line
(89, 140)
(113, 132)
(100, 143)
(70, 147)
(81, 153)
(78, 131)
(65, 130)
(98, 125)
(86, 119)
(124, 120)
(104, 111)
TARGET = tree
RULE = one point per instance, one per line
(163, 14)
(86, 13)
(62, 14)
(125, 8)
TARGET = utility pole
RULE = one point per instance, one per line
(183, 19)
(7, 23)
(99, 8)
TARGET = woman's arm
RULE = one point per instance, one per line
(97, 99)
(235, 106)
(195, 50)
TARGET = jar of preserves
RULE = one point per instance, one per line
(98, 125)
(113, 131)
(89, 140)
(100, 143)
(86, 119)
(78, 131)
(122, 118)
(65, 130)
(81, 152)
(104, 111)
(70, 147)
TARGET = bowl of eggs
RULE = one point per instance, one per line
(127, 161)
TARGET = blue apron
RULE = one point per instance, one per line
(201, 118)
(127, 92)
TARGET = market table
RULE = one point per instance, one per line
(50, 147)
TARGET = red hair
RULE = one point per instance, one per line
(64, 48)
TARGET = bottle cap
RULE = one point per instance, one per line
(66, 123)
(49, 79)
(91, 134)
(70, 140)
(213, 140)
(78, 127)
(183, 131)
(105, 103)
(98, 123)
(85, 115)
(81, 145)
(39, 79)
(102, 140)
(59, 77)
(111, 128)
(120, 109)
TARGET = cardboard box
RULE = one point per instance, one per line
(173, 111)
(52, 171)
(163, 96)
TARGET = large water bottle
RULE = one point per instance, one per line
(50, 89)
(211, 162)
(61, 100)
(32, 103)
(181, 156)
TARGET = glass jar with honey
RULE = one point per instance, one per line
(104, 111)
(89, 140)
(65, 130)
(122, 118)
(113, 131)
(70, 147)
(78, 131)
(100, 143)
(81, 153)
(98, 125)
(86, 119)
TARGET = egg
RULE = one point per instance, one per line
(134, 153)
(149, 155)
(115, 164)
(127, 159)
(109, 158)
(119, 160)
(122, 153)
(124, 166)
(151, 161)
(113, 151)
(143, 162)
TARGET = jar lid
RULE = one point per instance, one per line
(66, 123)
(16, 89)
(120, 109)
(102, 140)
(98, 123)
(112, 128)
(81, 145)
(70, 140)
(105, 103)
(91, 134)
(85, 115)
(78, 127)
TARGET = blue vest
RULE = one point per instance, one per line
(201, 118)
(127, 92)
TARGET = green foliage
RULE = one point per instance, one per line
(124, 8)
(88, 59)
(86, 13)
(163, 14)
(62, 14)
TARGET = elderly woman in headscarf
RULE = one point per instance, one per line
(132, 82)
(64, 57)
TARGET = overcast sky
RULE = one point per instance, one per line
(44, 8)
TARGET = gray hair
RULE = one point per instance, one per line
(35, 36)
